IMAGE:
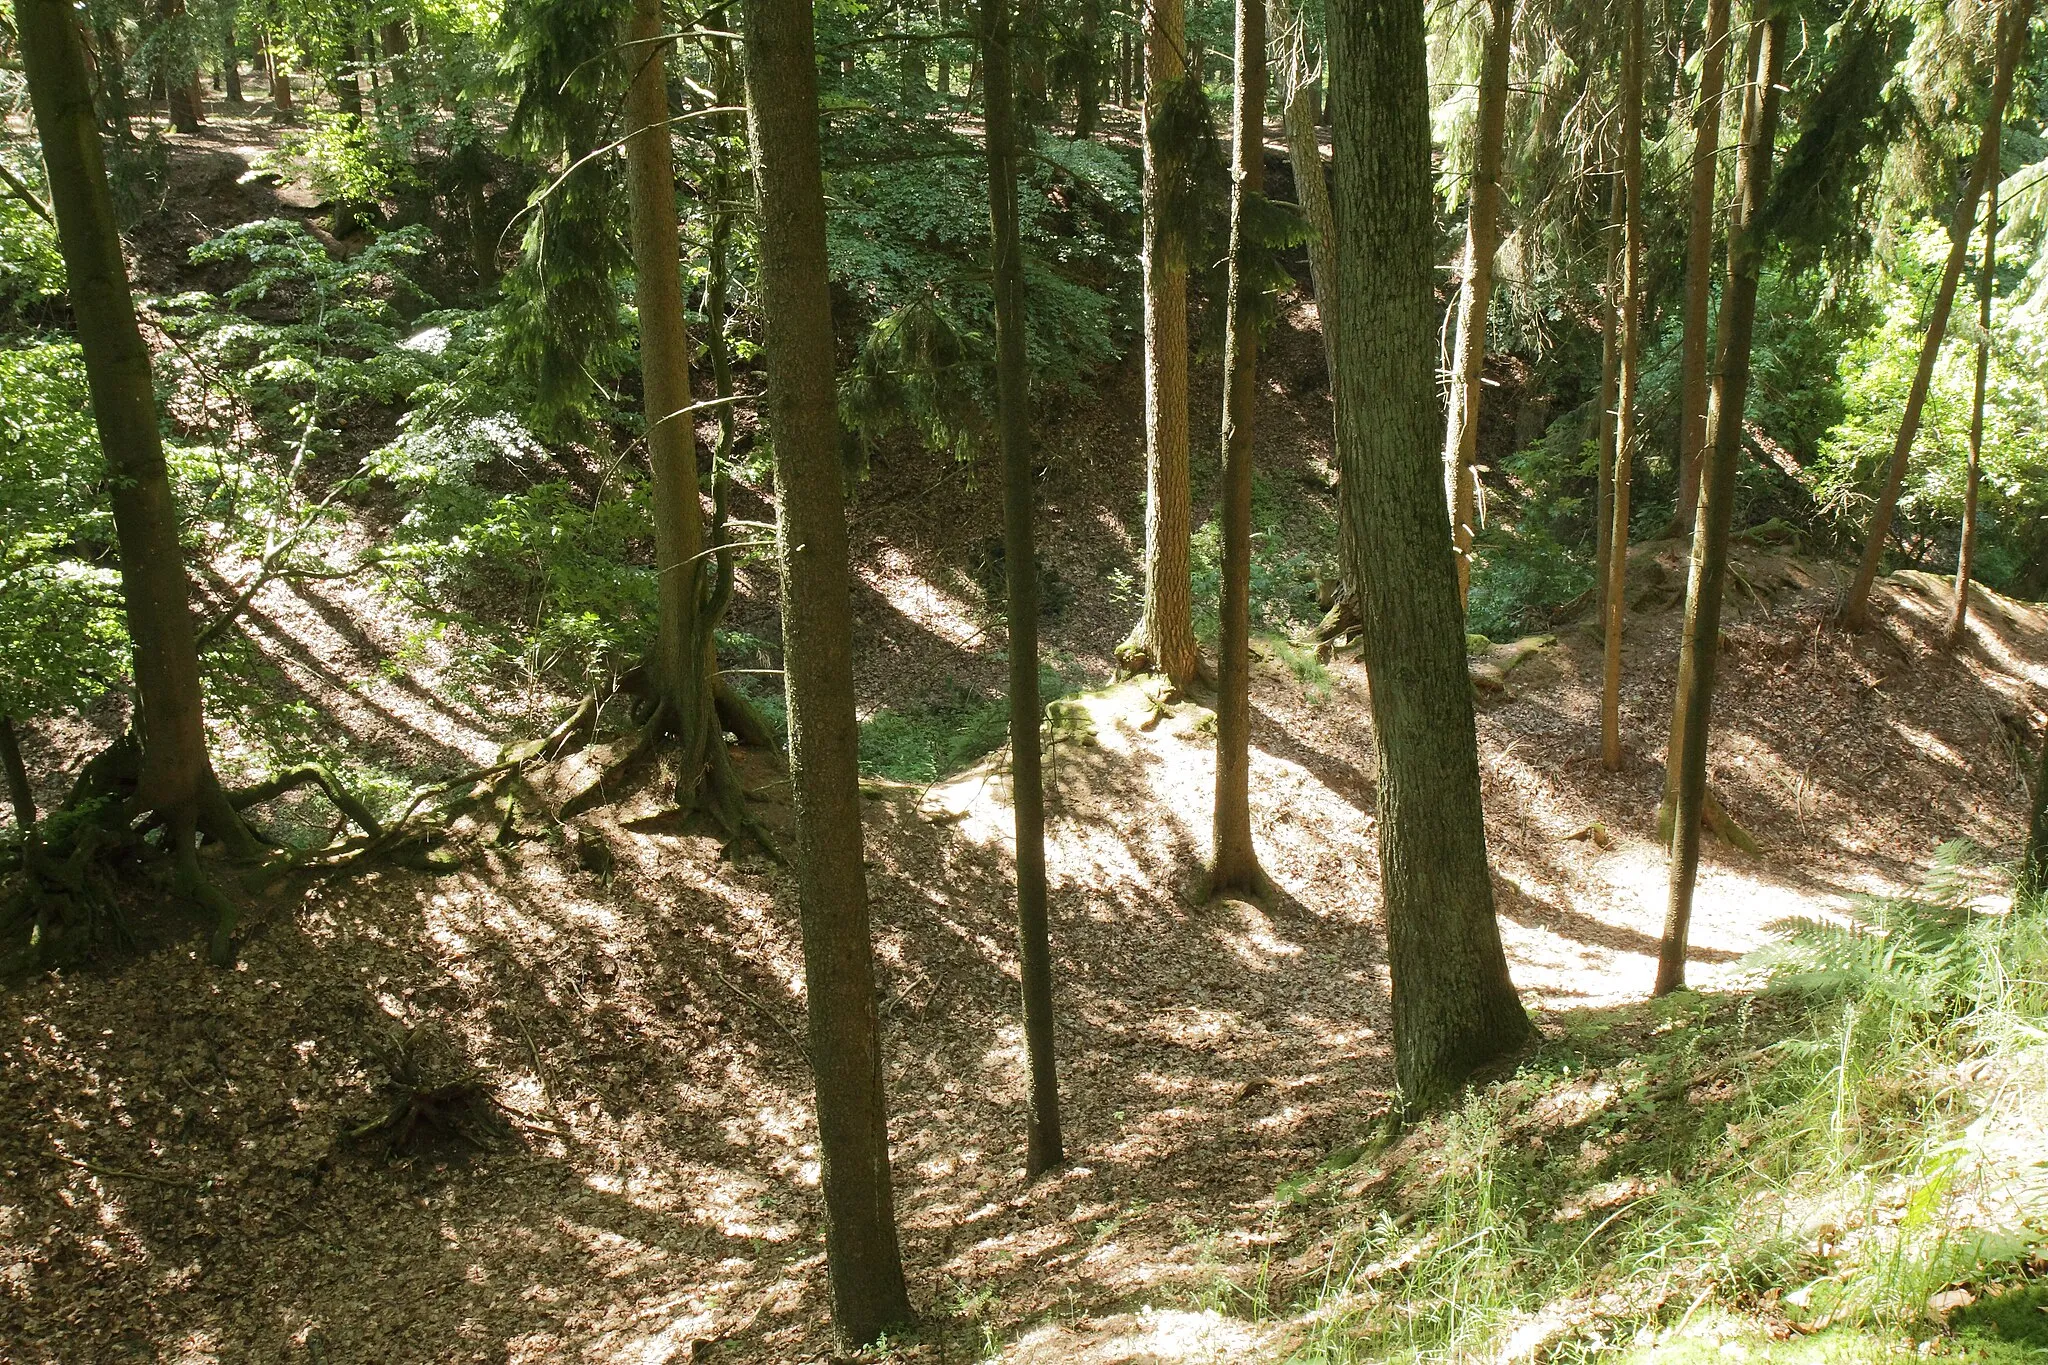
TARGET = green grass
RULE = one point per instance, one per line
(929, 740)
(1791, 1171)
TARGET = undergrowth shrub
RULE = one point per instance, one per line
(925, 741)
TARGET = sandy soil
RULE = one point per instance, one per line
(180, 1186)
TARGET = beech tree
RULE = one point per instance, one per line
(1454, 1005)
(1699, 645)
(176, 779)
(863, 1262)
(2012, 44)
(1043, 1149)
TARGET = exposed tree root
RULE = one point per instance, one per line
(1716, 818)
(434, 1095)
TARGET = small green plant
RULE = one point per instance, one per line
(924, 742)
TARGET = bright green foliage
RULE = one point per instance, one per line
(926, 741)
(62, 639)
(1290, 562)
(31, 271)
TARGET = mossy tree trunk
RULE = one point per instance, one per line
(1482, 239)
(1630, 316)
(2012, 45)
(1700, 640)
(1966, 552)
(177, 778)
(864, 1265)
(1164, 639)
(1236, 866)
(1043, 1147)
(1699, 264)
(1454, 1005)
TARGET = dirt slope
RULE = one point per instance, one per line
(181, 1187)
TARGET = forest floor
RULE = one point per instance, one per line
(181, 1185)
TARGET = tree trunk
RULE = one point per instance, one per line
(1236, 867)
(1482, 239)
(695, 580)
(1610, 376)
(1043, 1150)
(396, 42)
(19, 793)
(177, 779)
(945, 73)
(280, 84)
(1699, 265)
(231, 64)
(2012, 44)
(113, 83)
(180, 77)
(2033, 875)
(1454, 1005)
(1631, 366)
(1699, 644)
(1088, 76)
(1966, 552)
(864, 1266)
(348, 85)
(1165, 635)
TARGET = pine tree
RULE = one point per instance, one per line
(1699, 643)
(863, 1262)
(1236, 866)
(1043, 1149)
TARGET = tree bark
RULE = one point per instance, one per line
(1966, 551)
(180, 77)
(1165, 635)
(1699, 265)
(2012, 45)
(177, 779)
(280, 84)
(1610, 376)
(1043, 1148)
(348, 84)
(945, 73)
(20, 794)
(1631, 365)
(113, 86)
(1454, 1005)
(694, 579)
(231, 64)
(1236, 867)
(1482, 239)
(864, 1266)
(1700, 641)
(1088, 76)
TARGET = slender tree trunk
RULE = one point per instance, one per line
(1088, 79)
(280, 84)
(1610, 380)
(1236, 869)
(1699, 644)
(945, 75)
(2012, 45)
(1966, 552)
(19, 792)
(864, 1265)
(1631, 366)
(695, 581)
(1165, 636)
(1043, 1150)
(177, 779)
(1454, 1005)
(1699, 265)
(231, 64)
(1482, 239)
